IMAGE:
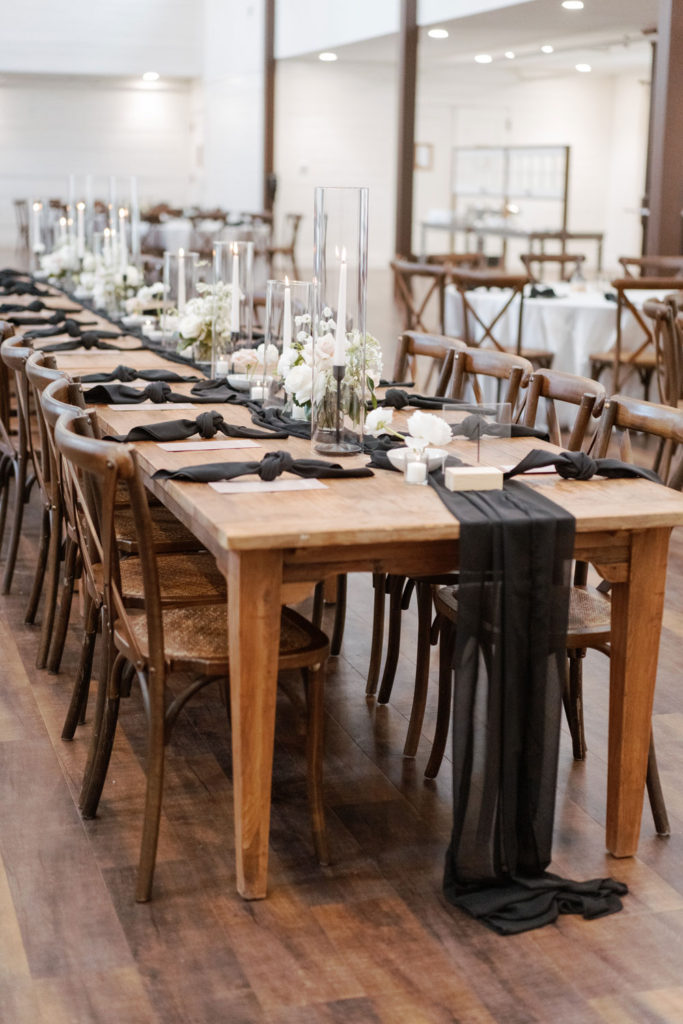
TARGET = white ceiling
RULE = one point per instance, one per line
(607, 34)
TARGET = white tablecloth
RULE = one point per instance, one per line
(573, 326)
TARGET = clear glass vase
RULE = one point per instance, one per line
(233, 276)
(180, 285)
(285, 374)
(339, 331)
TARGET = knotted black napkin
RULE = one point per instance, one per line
(579, 466)
(475, 426)
(218, 390)
(272, 465)
(37, 306)
(11, 287)
(509, 666)
(127, 374)
(398, 399)
(539, 291)
(207, 425)
(278, 421)
(74, 329)
(58, 317)
(157, 391)
(395, 383)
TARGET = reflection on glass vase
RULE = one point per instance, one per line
(339, 331)
(285, 373)
(233, 292)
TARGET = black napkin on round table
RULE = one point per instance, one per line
(579, 466)
(272, 465)
(398, 399)
(127, 374)
(206, 425)
(539, 291)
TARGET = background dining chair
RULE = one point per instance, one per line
(287, 249)
(652, 266)
(568, 264)
(416, 348)
(512, 289)
(419, 287)
(159, 640)
(548, 389)
(666, 338)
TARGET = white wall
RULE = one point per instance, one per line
(303, 26)
(53, 126)
(109, 37)
(336, 125)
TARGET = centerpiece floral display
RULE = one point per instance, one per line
(148, 299)
(205, 323)
(296, 366)
(424, 429)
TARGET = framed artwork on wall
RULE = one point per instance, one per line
(424, 156)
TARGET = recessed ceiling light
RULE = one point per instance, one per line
(151, 76)
(547, 48)
(438, 33)
(483, 58)
(327, 56)
(572, 5)
(510, 54)
(584, 68)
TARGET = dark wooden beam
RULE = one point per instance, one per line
(665, 171)
(269, 105)
(407, 69)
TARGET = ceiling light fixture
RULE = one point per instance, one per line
(510, 54)
(584, 68)
(483, 58)
(438, 33)
(151, 76)
(547, 48)
(327, 56)
(572, 5)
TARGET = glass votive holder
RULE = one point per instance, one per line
(416, 467)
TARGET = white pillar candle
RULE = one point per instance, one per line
(416, 472)
(134, 218)
(80, 230)
(112, 203)
(339, 358)
(222, 367)
(257, 392)
(62, 230)
(181, 282)
(106, 246)
(37, 239)
(235, 294)
(287, 318)
(123, 245)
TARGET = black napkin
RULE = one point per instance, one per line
(272, 465)
(509, 661)
(539, 291)
(397, 399)
(207, 425)
(74, 329)
(283, 425)
(217, 389)
(21, 288)
(127, 374)
(579, 466)
(120, 394)
(396, 383)
(58, 317)
(37, 306)
(475, 426)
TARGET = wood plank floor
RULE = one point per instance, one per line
(368, 939)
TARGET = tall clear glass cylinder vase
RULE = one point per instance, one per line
(340, 267)
(233, 289)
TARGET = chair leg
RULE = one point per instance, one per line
(318, 604)
(39, 574)
(395, 584)
(156, 742)
(79, 694)
(424, 629)
(379, 583)
(572, 698)
(443, 714)
(61, 625)
(19, 488)
(54, 558)
(654, 792)
(93, 777)
(314, 683)
(339, 616)
(5, 478)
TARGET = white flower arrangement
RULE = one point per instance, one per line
(61, 261)
(251, 361)
(424, 428)
(113, 284)
(204, 315)
(150, 296)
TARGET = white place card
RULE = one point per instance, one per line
(538, 471)
(262, 486)
(146, 406)
(207, 446)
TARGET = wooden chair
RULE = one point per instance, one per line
(287, 249)
(468, 365)
(457, 260)
(158, 640)
(436, 349)
(21, 214)
(589, 614)
(420, 286)
(550, 387)
(568, 264)
(512, 286)
(666, 338)
(652, 266)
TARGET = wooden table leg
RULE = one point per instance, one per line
(637, 606)
(254, 604)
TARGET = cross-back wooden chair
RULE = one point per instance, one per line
(666, 339)
(420, 287)
(472, 364)
(458, 260)
(155, 640)
(436, 349)
(652, 266)
(512, 290)
(568, 264)
(548, 388)
(590, 612)
(287, 250)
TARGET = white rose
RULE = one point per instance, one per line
(299, 382)
(427, 427)
(191, 326)
(287, 360)
(267, 357)
(244, 360)
(379, 420)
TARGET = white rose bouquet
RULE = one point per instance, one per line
(208, 313)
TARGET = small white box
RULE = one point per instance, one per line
(473, 478)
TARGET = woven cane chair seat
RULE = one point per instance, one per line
(183, 578)
(168, 533)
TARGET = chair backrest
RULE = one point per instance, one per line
(554, 386)
(652, 266)
(461, 260)
(470, 364)
(628, 415)
(95, 469)
(21, 212)
(14, 353)
(568, 263)
(59, 396)
(667, 345)
(414, 345)
(513, 286)
(418, 284)
(41, 370)
(7, 428)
